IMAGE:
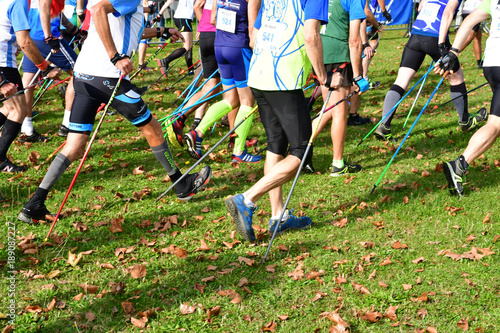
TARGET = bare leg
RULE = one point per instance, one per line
(483, 139)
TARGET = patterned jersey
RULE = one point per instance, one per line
(13, 18)
(279, 60)
(126, 30)
(232, 23)
(429, 18)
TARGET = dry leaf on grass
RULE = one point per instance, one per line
(187, 309)
(137, 271)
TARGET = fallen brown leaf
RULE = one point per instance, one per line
(186, 309)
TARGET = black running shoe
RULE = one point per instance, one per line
(308, 168)
(348, 168)
(384, 133)
(357, 120)
(454, 176)
(35, 137)
(32, 212)
(8, 167)
(198, 181)
(63, 131)
(474, 120)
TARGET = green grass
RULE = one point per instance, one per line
(416, 213)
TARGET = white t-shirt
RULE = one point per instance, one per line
(184, 10)
(492, 50)
(126, 30)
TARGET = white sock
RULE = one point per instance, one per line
(27, 127)
(65, 121)
(247, 201)
(285, 216)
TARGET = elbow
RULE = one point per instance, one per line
(354, 43)
(312, 38)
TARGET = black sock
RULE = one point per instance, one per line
(196, 121)
(2, 119)
(10, 131)
(175, 54)
(463, 163)
(461, 102)
(189, 59)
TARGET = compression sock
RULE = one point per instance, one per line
(3, 118)
(189, 59)
(164, 156)
(214, 113)
(242, 130)
(65, 121)
(56, 169)
(27, 127)
(175, 54)
(9, 133)
(460, 93)
(392, 98)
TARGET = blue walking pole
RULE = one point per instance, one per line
(395, 106)
(193, 83)
(416, 98)
(407, 134)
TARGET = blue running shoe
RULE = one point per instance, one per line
(193, 144)
(292, 222)
(242, 216)
(246, 158)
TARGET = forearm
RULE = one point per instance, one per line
(477, 16)
(314, 48)
(198, 9)
(67, 23)
(148, 33)
(355, 47)
(29, 47)
(445, 25)
(165, 6)
(45, 16)
(381, 3)
(80, 6)
(253, 11)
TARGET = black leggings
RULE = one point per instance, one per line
(417, 48)
(492, 74)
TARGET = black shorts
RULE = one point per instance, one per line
(207, 53)
(476, 27)
(92, 91)
(12, 75)
(492, 74)
(346, 72)
(184, 23)
(286, 119)
(417, 48)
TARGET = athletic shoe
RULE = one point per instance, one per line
(308, 168)
(32, 212)
(163, 66)
(199, 180)
(193, 144)
(62, 89)
(384, 133)
(347, 168)
(63, 131)
(248, 143)
(242, 216)
(454, 176)
(246, 158)
(374, 84)
(175, 133)
(35, 137)
(34, 114)
(8, 167)
(140, 90)
(292, 222)
(474, 120)
(480, 64)
(146, 68)
(357, 120)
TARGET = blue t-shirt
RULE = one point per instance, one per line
(36, 31)
(232, 23)
(356, 9)
(124, 7)
(13, 18)
(428, 20)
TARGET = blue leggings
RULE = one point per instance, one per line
(233, 64)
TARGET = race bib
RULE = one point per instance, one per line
(429, 13)
(270, 35)
(226, 20)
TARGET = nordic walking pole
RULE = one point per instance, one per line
(189, 89)
(207, 153)
(395, 106)
(467, 92)
(334, 105)
(164, 74)
(42, 93)
(302, 162)
(182, 78)
(85, 155)
(55, 151)
(60, 82)
(407, 134)
(148, 60)
(416, 98)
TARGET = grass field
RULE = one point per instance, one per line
(407, 258)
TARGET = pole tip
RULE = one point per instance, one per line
(373, 189)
